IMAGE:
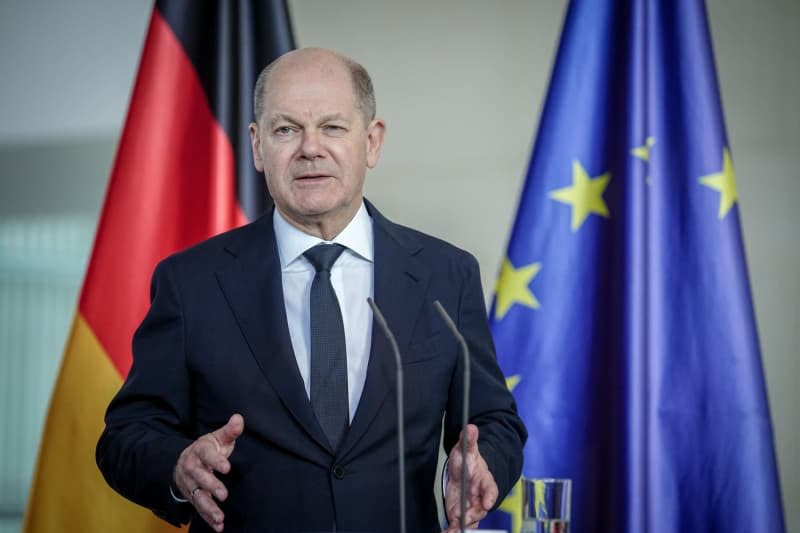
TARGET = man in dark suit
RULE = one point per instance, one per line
(260, 397)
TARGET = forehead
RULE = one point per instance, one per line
(311, 85)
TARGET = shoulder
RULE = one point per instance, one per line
(428, 249)
(217, 251)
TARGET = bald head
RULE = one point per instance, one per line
(323, 59)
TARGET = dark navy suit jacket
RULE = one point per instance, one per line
(216, 342)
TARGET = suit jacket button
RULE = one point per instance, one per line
(338, 472)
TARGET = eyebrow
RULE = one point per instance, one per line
(282, 117)
(333, 116)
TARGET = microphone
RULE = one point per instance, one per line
(465, 408)
(401, 450)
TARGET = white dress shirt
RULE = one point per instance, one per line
(352, 278)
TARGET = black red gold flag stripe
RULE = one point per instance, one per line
(182, 173)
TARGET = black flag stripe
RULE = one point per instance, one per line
(229, 42)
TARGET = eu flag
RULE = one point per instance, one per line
(622, 316)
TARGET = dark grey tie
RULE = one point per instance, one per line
(328, 352)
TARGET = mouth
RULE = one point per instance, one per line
(312, 177)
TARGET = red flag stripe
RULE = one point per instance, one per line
(172, 185)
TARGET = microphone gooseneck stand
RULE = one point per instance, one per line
(465, 410)
(401, 452)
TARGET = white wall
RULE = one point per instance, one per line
(755, 44)
(460, 83)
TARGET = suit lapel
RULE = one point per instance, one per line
(253, 289)
(401, 283)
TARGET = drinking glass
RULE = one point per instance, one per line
(545, 505)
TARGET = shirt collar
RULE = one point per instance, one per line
(292, 242)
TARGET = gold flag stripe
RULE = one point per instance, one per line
(67, 476)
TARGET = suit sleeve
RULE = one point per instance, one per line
(492, 407)
(147, 422)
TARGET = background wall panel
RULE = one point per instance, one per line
(460, 83)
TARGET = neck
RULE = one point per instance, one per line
(326, 226)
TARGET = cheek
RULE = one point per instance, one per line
(274, 179)
(275, 166)
(353, 161)
(277, 155)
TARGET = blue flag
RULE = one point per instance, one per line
(622, 316)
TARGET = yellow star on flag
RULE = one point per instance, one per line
(643, 152)
(725, 183)
(512, 287)
(512, 504)
(585, 195)
(511, 381)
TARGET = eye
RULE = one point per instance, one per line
(335, 129)
(283, 131)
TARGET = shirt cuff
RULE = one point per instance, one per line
(445, 478)
(176, 498)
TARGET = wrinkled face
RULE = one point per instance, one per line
(313, 143)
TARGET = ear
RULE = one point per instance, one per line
(255, 144)
(375, 133)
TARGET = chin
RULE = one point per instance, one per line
(318, 202)
(316, 208)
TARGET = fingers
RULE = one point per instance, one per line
(197, 482)
(211, 456)
(472, 443)
(226, 435)
(474, 511)
(489, 492)
(222, 442)
(455, 459)
(472, 438)
(194, 473)
(482, 491)
(208, 509)
(473, 518)
(206, 480)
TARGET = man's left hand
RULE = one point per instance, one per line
(481, 488)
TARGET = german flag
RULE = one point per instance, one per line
(182, 173)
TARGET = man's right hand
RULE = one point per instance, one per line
(194, 474)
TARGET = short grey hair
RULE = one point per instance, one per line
(362, 88)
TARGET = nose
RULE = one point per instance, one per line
(311, 147)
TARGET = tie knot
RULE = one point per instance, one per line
(323, 256)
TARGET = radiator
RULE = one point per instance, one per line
(42, 263)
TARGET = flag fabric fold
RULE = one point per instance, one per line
(623, 317)
(182, 173)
